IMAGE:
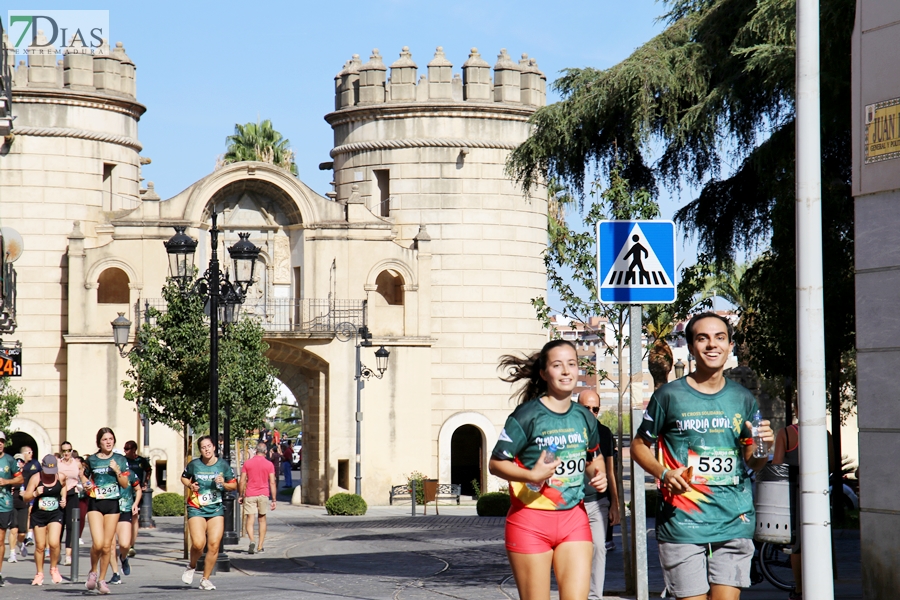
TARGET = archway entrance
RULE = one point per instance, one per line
(467, 458)
(19, 439)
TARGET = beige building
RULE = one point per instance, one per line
(423, 238)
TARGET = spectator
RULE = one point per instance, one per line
(287, 462)
(257, 494)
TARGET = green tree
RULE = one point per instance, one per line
(289, 419)
(169, 368)
(10, 401)
(259, 142)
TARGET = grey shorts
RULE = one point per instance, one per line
(724, 563)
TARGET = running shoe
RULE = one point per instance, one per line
(102, 587)
(23, 551)
(54, 575)
(252, 551)
(610, 546)
(126, 567)
(67, 561)
(260, 550)
(29, 541)
(206, 584)
(188, 576)
(38, 579)
(2, 581)
(12, 557)
(131, 552)
(91, 583)
(116, 580)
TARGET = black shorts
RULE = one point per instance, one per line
(20, 521)
(125, 517)
(42, 518)
(7, 519)
(104, 507)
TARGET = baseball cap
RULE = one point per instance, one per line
(2, 436)
(49, 464)
(19, 457)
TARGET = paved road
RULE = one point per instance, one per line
(385, 555)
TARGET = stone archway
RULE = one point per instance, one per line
(32, 430)
(488, 434)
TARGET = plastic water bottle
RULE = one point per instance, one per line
(549, 458)
(759, 446)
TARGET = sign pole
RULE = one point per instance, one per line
(638, 497)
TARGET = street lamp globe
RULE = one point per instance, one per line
(181, 249)
(121, 330)
(381, 359)
(679, 369)
(243, 257)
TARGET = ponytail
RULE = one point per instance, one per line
(529, 368)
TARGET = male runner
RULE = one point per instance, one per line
(141, 467)
(701, 424)
(10, 476)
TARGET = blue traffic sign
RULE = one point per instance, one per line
(636, 261)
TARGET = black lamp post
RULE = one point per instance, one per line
(223, 297)
(364, 339)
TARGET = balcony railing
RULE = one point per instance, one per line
(297, 315)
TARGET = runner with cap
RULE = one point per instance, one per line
(10, 478)
(48, 491)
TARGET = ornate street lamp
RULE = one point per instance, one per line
(121, 331)
(222, 298)
(679, 369)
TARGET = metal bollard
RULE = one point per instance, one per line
(73, 573)
(413, 496)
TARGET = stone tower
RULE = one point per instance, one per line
(427, 154)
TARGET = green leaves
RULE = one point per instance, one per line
(259, 142)
(10, 401)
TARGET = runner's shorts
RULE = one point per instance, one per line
(42, 518)
(724, 563)
(7, 520)
(104, 507)
(20, 521)
(126, 517)
(530, 531)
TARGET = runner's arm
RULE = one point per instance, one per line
(643, 455)
(613, 491)
(765, 432)
(510, 471)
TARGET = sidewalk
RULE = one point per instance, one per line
(385, 555)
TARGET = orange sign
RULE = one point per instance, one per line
(882, 131)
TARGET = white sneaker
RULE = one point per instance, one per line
(12, 557)
(188, 576)
(206, 584)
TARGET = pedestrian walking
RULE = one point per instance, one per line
(602, 509)
(275, 459)
(701, 425)
(70, 467)
(544, 450)
(208, 478)
(287, 463)
(48, 492)
(257, 495)
(105, 473)
(10, 479)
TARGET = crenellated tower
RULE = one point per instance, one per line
(428, 154)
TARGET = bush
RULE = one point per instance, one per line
(493, 504)
(346, 504)
(168, 504)
(420, 486)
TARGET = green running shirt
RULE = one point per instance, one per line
(208, 501)
(104, 479)
(707, 432)
(126, 494)
(533, 428)
(9, 468)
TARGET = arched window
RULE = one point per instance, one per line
(390, 285)
(113, 287)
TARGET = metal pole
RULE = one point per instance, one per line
(73, 525)
(230, 537)
(412, 494)
(638, 497)
(815, 525)
(360, 384)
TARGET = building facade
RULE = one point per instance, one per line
(423, 238)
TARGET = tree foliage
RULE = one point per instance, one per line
(10, 401)
(259, 142)
(169, 368)
(714, 93)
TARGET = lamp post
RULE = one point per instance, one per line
(222, 296)
(121, 331)
(363, 339)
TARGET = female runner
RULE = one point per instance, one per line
(207, 478)
(546, 446)
(104, 473)
(48, 490)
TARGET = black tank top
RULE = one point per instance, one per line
(49, 500)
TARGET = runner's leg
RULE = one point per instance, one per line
(532, 574)
(215, 527)
(109, 535)
(197, 527)
(40, 542)
(95, 520)
(572, 565)
(123, 534)
(54, 533)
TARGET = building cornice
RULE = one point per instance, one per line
(421, 143)
(407, 110)
(81, 134)
(68, 97)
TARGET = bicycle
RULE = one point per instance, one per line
(772, 562)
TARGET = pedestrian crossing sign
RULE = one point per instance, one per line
(636, 261)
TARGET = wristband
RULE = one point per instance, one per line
(662, 477)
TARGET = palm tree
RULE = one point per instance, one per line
(259, 142)
(660, 323)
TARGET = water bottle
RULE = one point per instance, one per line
(549, 458)
(759, 446)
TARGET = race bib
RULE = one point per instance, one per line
(107, 491)
(209, 498)
(48, 503)
(123, 505)
(714, 466)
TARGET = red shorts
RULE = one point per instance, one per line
(530, 531)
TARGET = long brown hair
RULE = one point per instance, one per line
(529, 368)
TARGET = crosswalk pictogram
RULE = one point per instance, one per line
(636, 262)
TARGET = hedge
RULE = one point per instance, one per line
(168, 504)
(346, 504)
(493, 504)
